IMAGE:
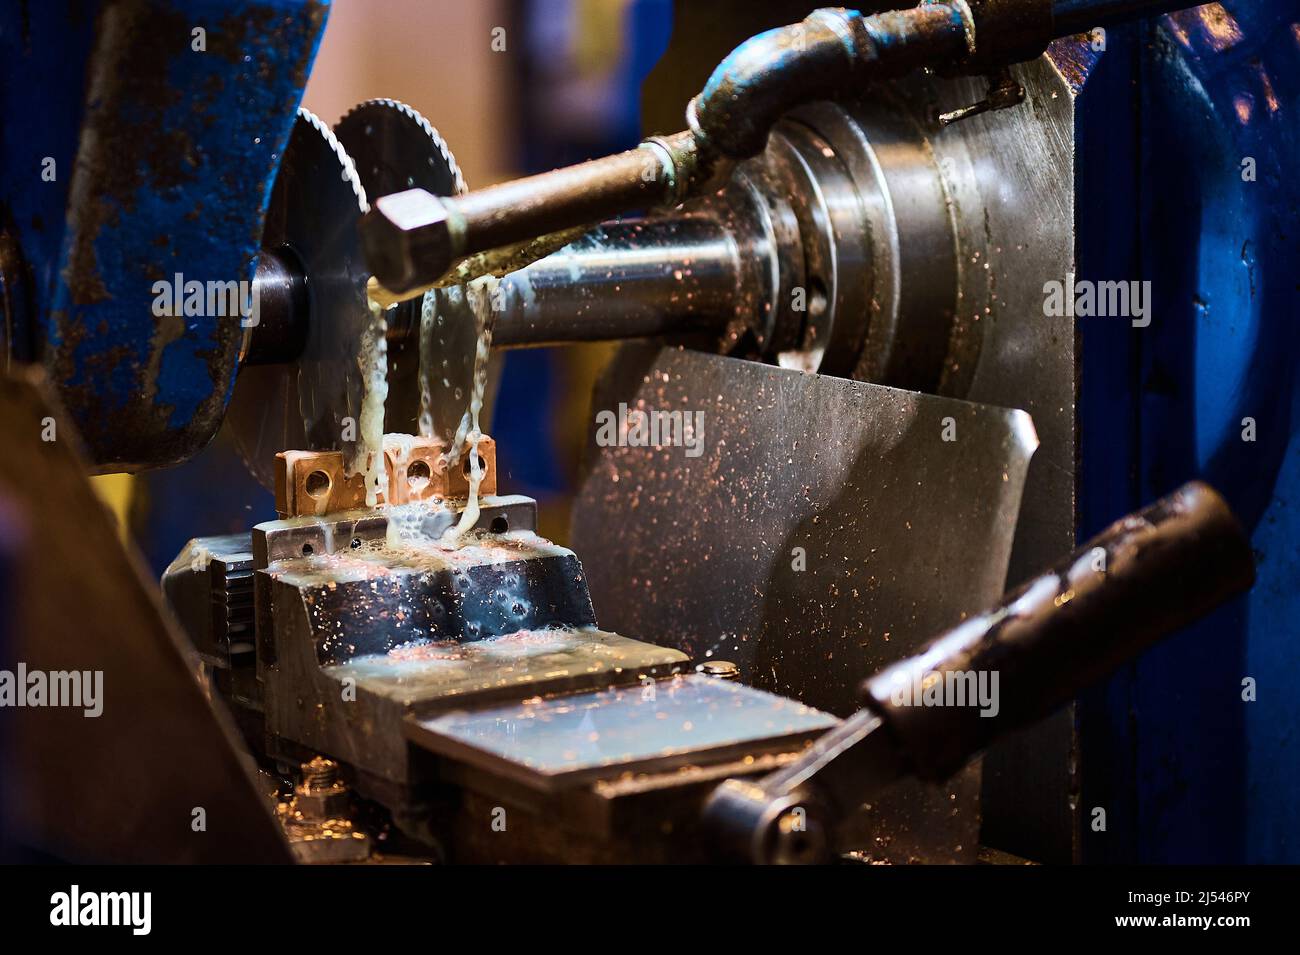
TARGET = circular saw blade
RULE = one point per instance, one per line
(395, 148)
(312, 218)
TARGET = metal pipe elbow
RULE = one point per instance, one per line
(824, 54)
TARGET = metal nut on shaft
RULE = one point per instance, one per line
(317, 820)
(320, 773)
(720, 669)
(408, 237)
(321, 794)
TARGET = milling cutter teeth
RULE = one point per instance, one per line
(326, 181)
(397, 150)
(346, 165)
(363, 112)
(316, 202)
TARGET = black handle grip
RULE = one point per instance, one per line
(1144, 577)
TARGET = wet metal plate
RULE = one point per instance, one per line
(825, 527)
(532, 660)
(569, 740)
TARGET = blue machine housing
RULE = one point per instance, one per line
(161, 122)
(1186, 179)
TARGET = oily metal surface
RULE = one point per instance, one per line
(522, 663)
(395, 148)
(825, 530)
(1011, 174)
(312, 221)
(566, 740)
(413, 630)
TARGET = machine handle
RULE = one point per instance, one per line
(1144, 577)
(1141, 579)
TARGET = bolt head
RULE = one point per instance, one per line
(321, 804)
(407, 239)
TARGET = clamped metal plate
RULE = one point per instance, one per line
(571, 740)
(316, 482)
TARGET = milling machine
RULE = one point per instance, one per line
(838, 270)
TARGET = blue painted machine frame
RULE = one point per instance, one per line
(161, 122)
(1187, 179)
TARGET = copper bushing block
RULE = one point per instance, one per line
(458, 474)
(313, 482)
(416, 470)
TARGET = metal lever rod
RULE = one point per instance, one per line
(412, 239)
(1145, 577)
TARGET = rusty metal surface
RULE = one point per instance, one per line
(122, 786)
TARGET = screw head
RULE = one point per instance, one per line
(720, 669)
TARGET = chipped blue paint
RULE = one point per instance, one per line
(1189, 771)
(166, 163)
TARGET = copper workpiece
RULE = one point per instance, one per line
(314, 482)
